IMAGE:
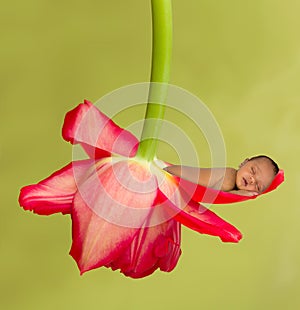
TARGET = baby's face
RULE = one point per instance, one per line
(255, 175)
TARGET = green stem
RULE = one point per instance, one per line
(160, 75)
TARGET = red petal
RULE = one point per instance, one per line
(169, 192)
(179, 205)
(98, 134)
(96, 242)
(55, 193)
(204, 221)
(152, 248)
(121, 192)
(279, 178)
(204, 194)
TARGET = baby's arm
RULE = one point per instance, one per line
(217, 178)
(243, 192)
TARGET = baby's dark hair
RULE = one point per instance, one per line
(275, 166)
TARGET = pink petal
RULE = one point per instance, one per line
(169, 193)
(98, 134)
(204, 221)
(178, 203)
(96, 242)
(116, 193)
(55, 193)
(152, 248)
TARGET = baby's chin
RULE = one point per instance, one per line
(242, 187)
(239, 186)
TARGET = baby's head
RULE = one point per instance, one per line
(256, 174)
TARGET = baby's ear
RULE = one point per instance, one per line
(244, 162)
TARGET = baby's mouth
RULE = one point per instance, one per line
(245, 182)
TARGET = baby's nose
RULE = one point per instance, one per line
(252, 180)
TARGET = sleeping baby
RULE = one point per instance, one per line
(253, 177)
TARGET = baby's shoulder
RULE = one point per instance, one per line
(229, 179)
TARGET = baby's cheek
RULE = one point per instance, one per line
(237, 183)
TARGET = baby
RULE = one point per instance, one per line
(253, 177)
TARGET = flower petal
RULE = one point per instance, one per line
(152, 248)
(279, 178)
(96, 242)
(121, 191)
(204, 194)
(109, 209)
(200, 219)
(55, 193)
(178, 204)
(98, 134)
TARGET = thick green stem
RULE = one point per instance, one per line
(160, 76)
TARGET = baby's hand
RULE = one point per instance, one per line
(243, 192)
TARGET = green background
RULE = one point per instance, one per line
(240, 57)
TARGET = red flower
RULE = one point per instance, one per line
(126, 212)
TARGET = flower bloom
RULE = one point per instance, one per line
(126, 212)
